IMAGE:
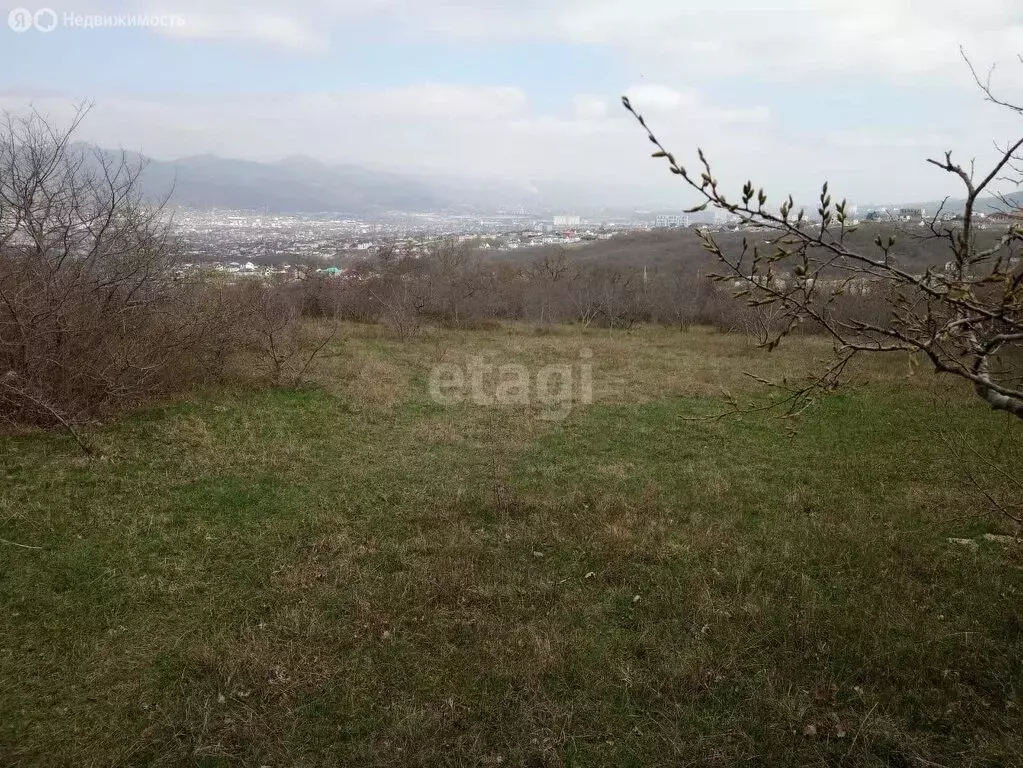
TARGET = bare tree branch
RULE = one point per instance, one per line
(966, 319)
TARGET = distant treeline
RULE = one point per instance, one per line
(456, 286)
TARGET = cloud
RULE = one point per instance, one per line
(790, 95)
(443, 101)
(276, 30)
(790, 38)
(866, 138)
(786, 39)
(661, 98)
(588, 107)
(480, 131)
(499, 132)
(665, 102)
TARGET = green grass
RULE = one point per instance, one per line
(354, 575)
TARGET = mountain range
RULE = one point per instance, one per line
(984, 204)
(300, 184)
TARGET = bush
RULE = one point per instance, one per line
(94, 315)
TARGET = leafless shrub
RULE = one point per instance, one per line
(453, 277)
(94, 315)
(271, 328)
(401, 306)
(90, 318)
(546, 278)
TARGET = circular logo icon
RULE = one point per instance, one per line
(45, 19)
(20, 20)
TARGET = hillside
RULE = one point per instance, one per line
(354, 574)
(670, 249)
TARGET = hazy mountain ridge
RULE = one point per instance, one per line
(958, 205)
(300, 184)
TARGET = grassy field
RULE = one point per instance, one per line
(352, 574)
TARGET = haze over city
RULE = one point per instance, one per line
(527, 93)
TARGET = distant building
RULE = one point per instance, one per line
(1013, 217)
(665, 221)
(883, 214)
(562, 222)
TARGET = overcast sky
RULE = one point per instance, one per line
(789, 92)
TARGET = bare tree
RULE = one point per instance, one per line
(402, 306)
(965, 319)
(88, 311)
(585, 292)
(271, 326)
(453, 275)
(95, 314)
(545, 275)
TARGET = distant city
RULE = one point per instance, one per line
(244, 241)
(234, 238)
(247, 242)
(263, 217)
